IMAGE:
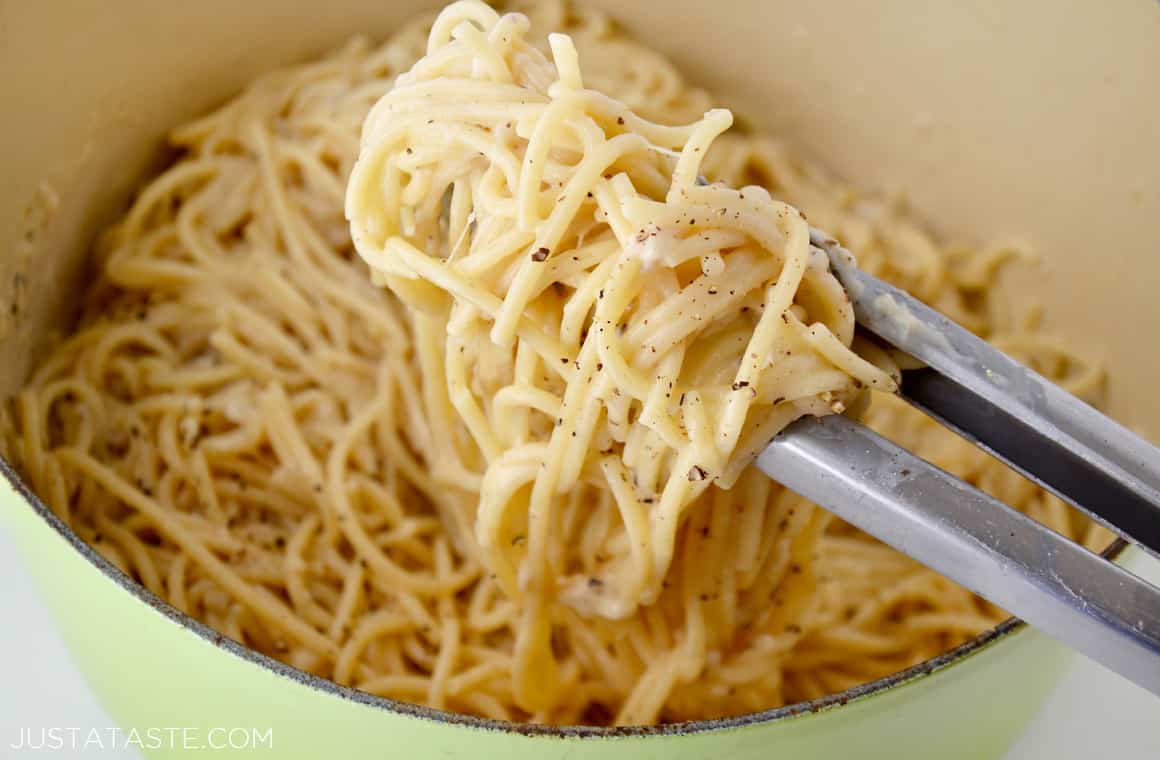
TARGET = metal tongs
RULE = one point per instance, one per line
(1053, 438)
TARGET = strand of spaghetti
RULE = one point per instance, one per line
(390, 574)
(257, 599)
(449, 643)
(135, 553)
(552, 229)
(372, 626)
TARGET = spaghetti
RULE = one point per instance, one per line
(618, 340)
(349, 478)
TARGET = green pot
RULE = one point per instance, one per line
(152, 666)
(1037, 120)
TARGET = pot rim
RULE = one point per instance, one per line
(317, 683)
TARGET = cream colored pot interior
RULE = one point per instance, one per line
(1026, 121)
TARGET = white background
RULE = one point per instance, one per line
(1092, 714)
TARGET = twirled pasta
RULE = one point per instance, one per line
(608, 325)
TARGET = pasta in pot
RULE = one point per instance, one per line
(347, 477)
(613, 336)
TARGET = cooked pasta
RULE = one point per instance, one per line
(616, 339)
(503, 469)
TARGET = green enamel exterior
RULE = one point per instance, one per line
(150, 670)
